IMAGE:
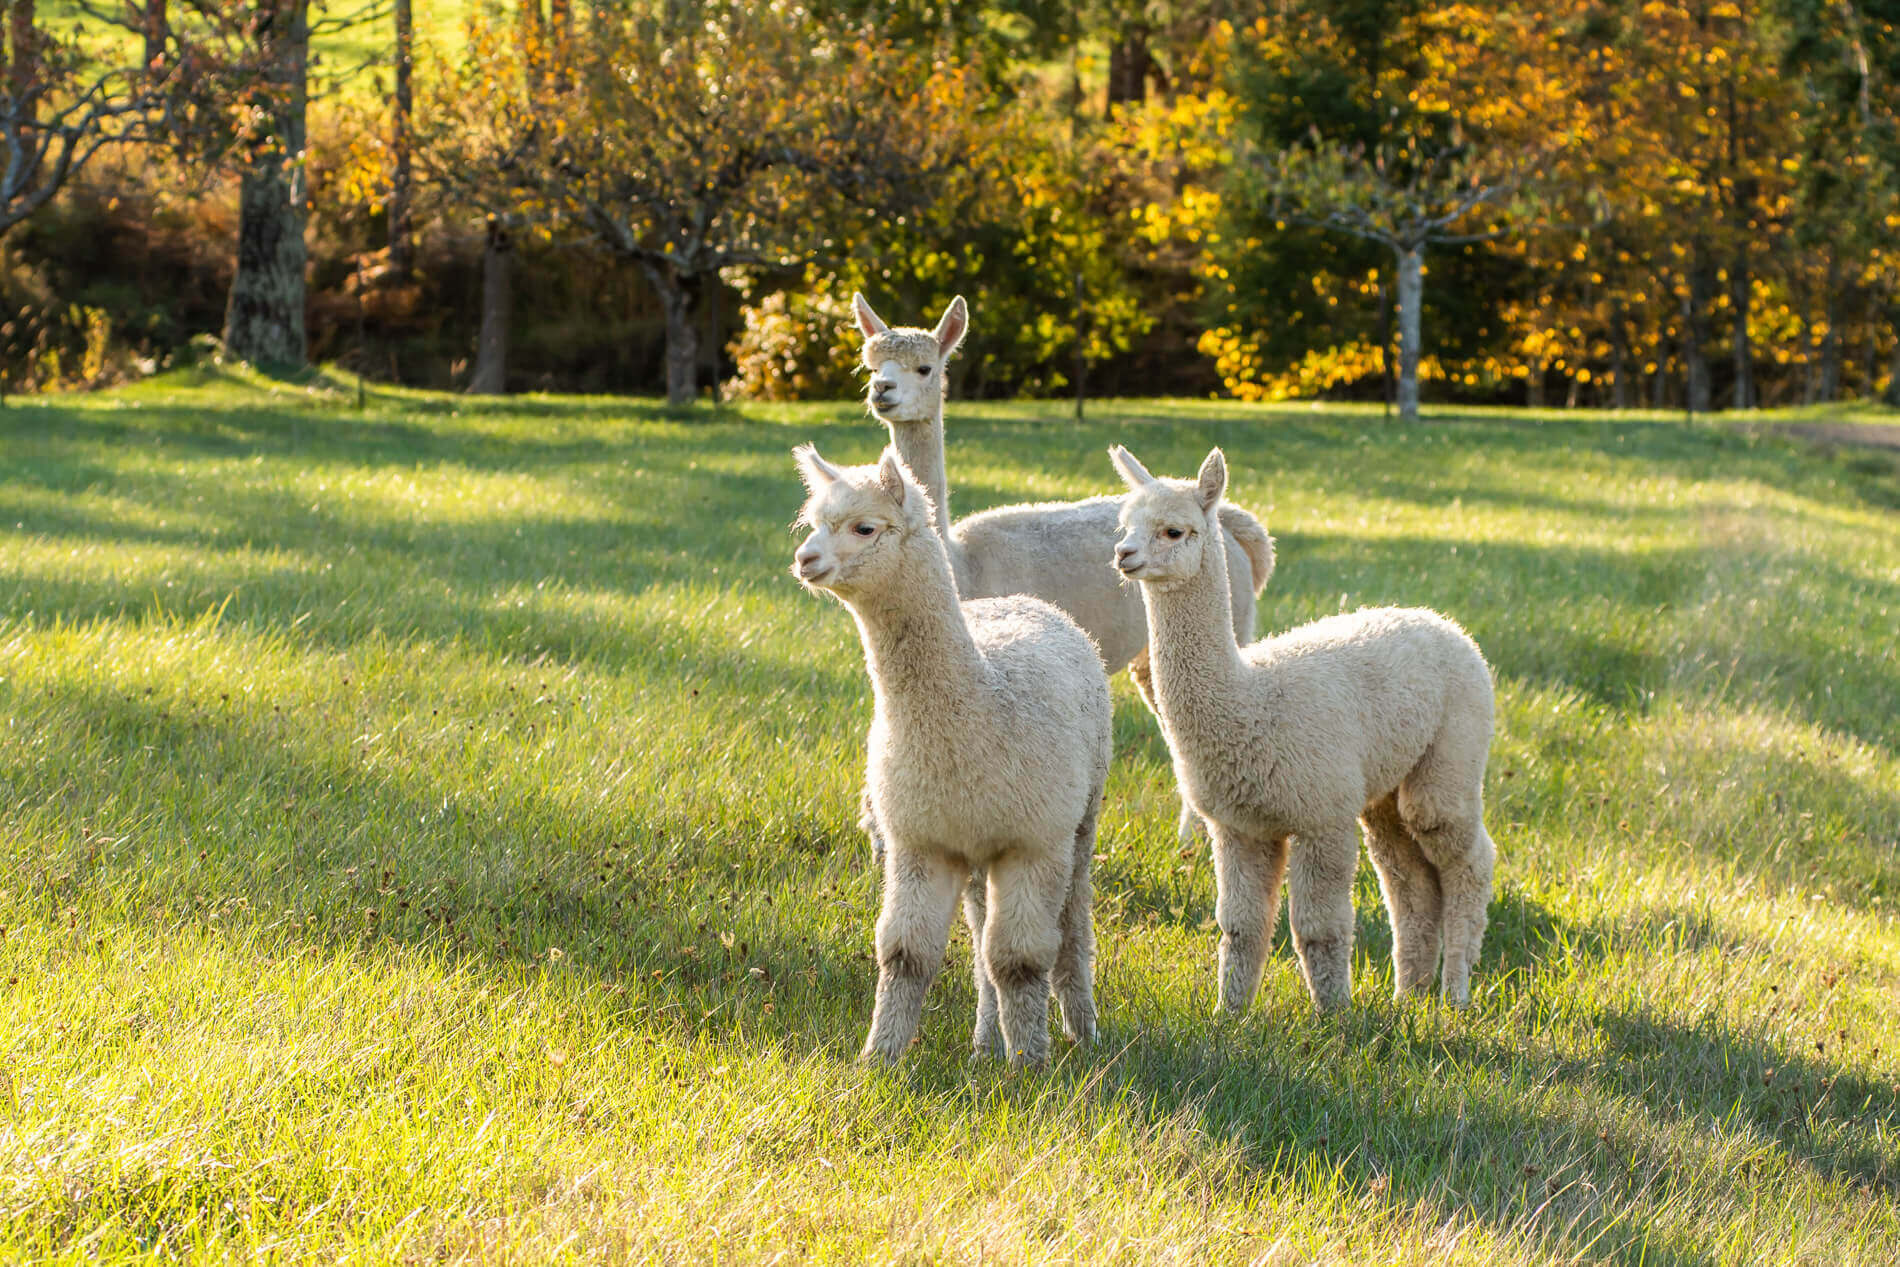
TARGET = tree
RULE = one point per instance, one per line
(239, 99)
(56, 115)
(679, 148)
(1451, 117)
(402, 175)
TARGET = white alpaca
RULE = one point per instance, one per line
(1384, 715)
(1052, 550)
(987, 756)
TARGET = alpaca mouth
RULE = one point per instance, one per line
(817, 576)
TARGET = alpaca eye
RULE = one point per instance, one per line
(1175, 534)
(866, 530)
(924, 370)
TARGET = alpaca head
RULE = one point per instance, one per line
(907, 363)
(859, 517)
(1166, 523)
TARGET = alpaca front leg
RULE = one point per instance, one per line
(1188, 827)
(1021, 939)
(920, 899)
(1319, 907)
(1246, 902)
(988, 1038)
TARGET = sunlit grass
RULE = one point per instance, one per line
(429, 831)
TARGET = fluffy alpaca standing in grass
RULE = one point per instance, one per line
(1383, 714)
(987, 756)
(1052, 550)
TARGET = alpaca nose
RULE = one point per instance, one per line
(882, 387)
(806, 559)
(1125, 557)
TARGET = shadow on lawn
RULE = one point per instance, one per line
(679, 914)
(1575, 1149)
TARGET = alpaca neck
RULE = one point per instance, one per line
(1191, 636)
(916, 642)
(920, 444)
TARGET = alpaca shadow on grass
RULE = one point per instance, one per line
(700, 927)
(676, 915)
(1409, 1104)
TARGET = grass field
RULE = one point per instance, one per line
(428, 832)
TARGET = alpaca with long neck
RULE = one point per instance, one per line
(1384, 715)
(988, 749)
(1052, 550)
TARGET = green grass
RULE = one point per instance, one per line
(429, 832)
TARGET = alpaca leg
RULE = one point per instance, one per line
(1020, 940)
(1319, 906)
(867, 820)
(920, 898)
(1188, 827)
(1074, 975)
(988, 1039)
(1413, 898)
(1141, 669)
(1246, 901)
(1465, 857)
(1442, 802)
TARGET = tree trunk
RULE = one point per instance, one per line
(491, 348)
(1534, 386)
(157, 30)
(1129, 62)
(1619, 359)
(401, 235)
(1803, 304)
(1411, 297)
(1831, 341)
(1695, 338)
(1892, 394)
(264, 313)
(679, 299)
(1740, 293)
(23, 45)
(1385, 347)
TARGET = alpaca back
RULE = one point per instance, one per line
(1063, 552)
(1381, 685)
(1021, 755)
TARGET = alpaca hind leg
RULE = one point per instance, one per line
(1247, 875)
(920, 899)
(1319, 907)
(1442, 802)
(867, 820)
(1074, 973)
(1465, 857)
(1413, 898)
(1020, 940)
(988, 1038)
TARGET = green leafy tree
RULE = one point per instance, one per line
(678, 147)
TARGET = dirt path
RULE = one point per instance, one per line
(1869, 435)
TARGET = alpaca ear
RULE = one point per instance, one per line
(817, 473)
(1133, 473)
(952, 326)
(869, 323)
(893, 478)
(1211, 485)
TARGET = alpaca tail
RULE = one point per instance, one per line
(1251, 535)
